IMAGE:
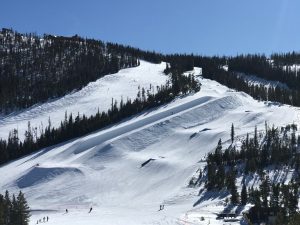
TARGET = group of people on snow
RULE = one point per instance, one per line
(44, 220)
(89, 211)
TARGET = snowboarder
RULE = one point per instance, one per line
(90, 210)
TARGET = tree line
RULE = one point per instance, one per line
(34, 69)
(261, 66)
(14, 210)
(276, 150)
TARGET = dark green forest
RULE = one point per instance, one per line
(275, 150)
(14, 210)
(34, 69)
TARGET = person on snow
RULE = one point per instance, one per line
(66, 210)
(161, 207)
(47, 218)
(90, 210)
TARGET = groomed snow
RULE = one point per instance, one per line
(96, 95)
(104, 169)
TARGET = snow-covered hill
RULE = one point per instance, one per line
(127, 170)
(96, 95)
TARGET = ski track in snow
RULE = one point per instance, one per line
(103, 169)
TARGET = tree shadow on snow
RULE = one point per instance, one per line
(211, 195)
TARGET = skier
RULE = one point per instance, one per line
(66, 210)
(44, 219)
(47, 218)
(90, 210)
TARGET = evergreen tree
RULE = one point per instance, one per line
(293, 199)
(255, 138)
(234, 194)
(211, 176)
(231, 186)
(14, 215)
(265, 190)
(244, 195)
(274, 199)
(280, 219)
(294, 220)
(22, 210)
(14, 211)
(2, 217)
(220, 177)
(7, 208)
(232, 133)
(218, 153)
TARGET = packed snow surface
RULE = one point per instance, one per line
(96, 95)
(127, 170)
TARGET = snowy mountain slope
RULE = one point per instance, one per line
(254, 80)
(294, 67)
(96, 95)
(112, 169)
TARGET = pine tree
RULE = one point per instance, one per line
(220, 176)
(211, 176)
(14, 215)
(22, 210)
(295, 219)
(231, 186)
(274, 199)
(7, 208)
(280, 219)
(244, 195)
(232, 133)
(234, 194)
(2, 210)
(218, 153)
(265, 190)
(293, 199)
(255, 138)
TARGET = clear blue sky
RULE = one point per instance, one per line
(186, 26)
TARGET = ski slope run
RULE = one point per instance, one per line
(96, 95)
(127, 170)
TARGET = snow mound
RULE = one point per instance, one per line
(38, 175)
